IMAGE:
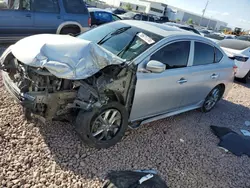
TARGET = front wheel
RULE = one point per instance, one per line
(211, 100)
(103, 127)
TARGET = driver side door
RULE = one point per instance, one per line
(159, 93)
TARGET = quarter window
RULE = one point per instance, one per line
(203, 54)
(174, 55)
(48, 6)
(218, 55)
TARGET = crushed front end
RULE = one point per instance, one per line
(43, 94)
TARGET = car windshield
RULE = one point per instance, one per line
(121, 39)
(129, 14)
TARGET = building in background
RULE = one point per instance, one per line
(180, 15)
(174, 14)
(144, 6)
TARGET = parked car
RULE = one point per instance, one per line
(101, 16)
(230, 37)
(23, 18)
(138, 16)
(162, 19)
(120, 74)
(116, 10)
(185, 27)
(244, 37)
(204, 32)
(239, 51)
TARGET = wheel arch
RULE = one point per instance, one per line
(69, 23)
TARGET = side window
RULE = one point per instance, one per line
(47, 6)
(103, 16)
(218, 55)
(144, 18)
(203, 54)
(174, 55)
(114, 17)
(75, 6)
(15, 5)
(151, 19)
(26, 5)
(137, 17)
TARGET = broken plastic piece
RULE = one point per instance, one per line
(145, 178)
(245, 132)
(231, 141)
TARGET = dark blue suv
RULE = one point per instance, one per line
(20, 18)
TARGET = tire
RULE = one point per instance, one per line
(213, 97)
(70, 31)
(246, 78)
(86, 123)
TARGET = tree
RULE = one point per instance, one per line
(128, 7)
(178, 20)
(190, 21)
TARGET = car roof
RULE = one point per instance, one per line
(177, 25)
(98, 9)
(162, 29)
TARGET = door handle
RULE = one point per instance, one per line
(28, 15)
(214, 76)
(182, 81)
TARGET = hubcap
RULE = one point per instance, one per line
(212, 99)
(106, 125)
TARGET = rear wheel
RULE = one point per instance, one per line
(211, 100)
(104, 127)
(73, 31)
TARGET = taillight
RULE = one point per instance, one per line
(235, 68)
(89, 22)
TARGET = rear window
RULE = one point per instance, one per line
(234, 44)
(75, 6)
(218, 55)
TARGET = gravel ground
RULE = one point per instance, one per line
(182, 149)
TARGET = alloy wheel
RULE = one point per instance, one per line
(106, 125)
(212, 99)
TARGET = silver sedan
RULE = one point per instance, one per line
(121, 74)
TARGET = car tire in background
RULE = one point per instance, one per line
(102, 127)
(212, 98)
(245, 79)
(73, 31)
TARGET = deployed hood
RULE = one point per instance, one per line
(64, 56)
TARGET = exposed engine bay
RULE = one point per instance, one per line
(51, 97)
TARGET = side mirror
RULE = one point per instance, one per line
(155, 66)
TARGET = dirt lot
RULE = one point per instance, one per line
(182, 149)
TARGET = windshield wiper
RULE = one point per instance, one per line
(113, 33)
(127, 46)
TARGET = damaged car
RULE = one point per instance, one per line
(125, 73)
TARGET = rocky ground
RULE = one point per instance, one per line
(182, 149)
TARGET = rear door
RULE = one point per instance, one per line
(203, 74)
(16, 18)
(47, 16)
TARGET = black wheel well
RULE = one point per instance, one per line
(223, 87)
(115, 96)
(71, 26)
